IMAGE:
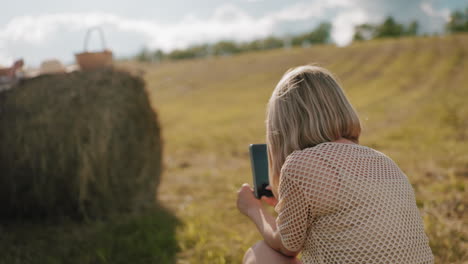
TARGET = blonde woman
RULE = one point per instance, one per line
(338, 201)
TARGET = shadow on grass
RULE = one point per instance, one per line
(146, 237)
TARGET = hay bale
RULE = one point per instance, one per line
(79, 144)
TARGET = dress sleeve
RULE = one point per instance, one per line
(292, 209)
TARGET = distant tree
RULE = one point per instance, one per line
(364, 32)
(287, 42)
(195, 51)
(389, 28)
(458, 21)
(144, 55)
(180, 54)
(225, 48)
(270, 42)
(200, 50)
(412, 29)
(273, 43)
(321, 34)
(158, 55)
(252, 45)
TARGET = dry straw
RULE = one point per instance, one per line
(83, 144)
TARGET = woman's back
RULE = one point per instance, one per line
(337, 202)
(347, 203)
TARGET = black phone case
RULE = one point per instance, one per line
(259, 163)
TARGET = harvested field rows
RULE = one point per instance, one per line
(411, 96)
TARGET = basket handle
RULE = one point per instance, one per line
(101, 34)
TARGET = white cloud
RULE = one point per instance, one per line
(427, 8)
(42, 36)
(226, 22)
(5, 59)
(307, 10)
(344, 23)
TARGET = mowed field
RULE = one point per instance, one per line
(411, 95)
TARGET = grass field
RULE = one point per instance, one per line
(412, 97)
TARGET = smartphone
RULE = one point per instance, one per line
(259, 162)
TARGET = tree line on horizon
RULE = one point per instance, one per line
(389, 28)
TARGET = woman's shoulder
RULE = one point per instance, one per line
(332, 149)
(325, 149)
(307, 160)
(326, 155)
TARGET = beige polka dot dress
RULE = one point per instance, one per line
(347, 203)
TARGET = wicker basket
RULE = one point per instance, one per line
(94, 60)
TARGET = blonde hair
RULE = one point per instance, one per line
(307, 107)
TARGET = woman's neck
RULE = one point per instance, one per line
(344, 140)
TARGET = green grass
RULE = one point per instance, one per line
(411, 95)
(146, 237)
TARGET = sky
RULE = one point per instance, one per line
(37, 30)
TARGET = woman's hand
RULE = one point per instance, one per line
(263, 219)
(272, 201)
(246, 201)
